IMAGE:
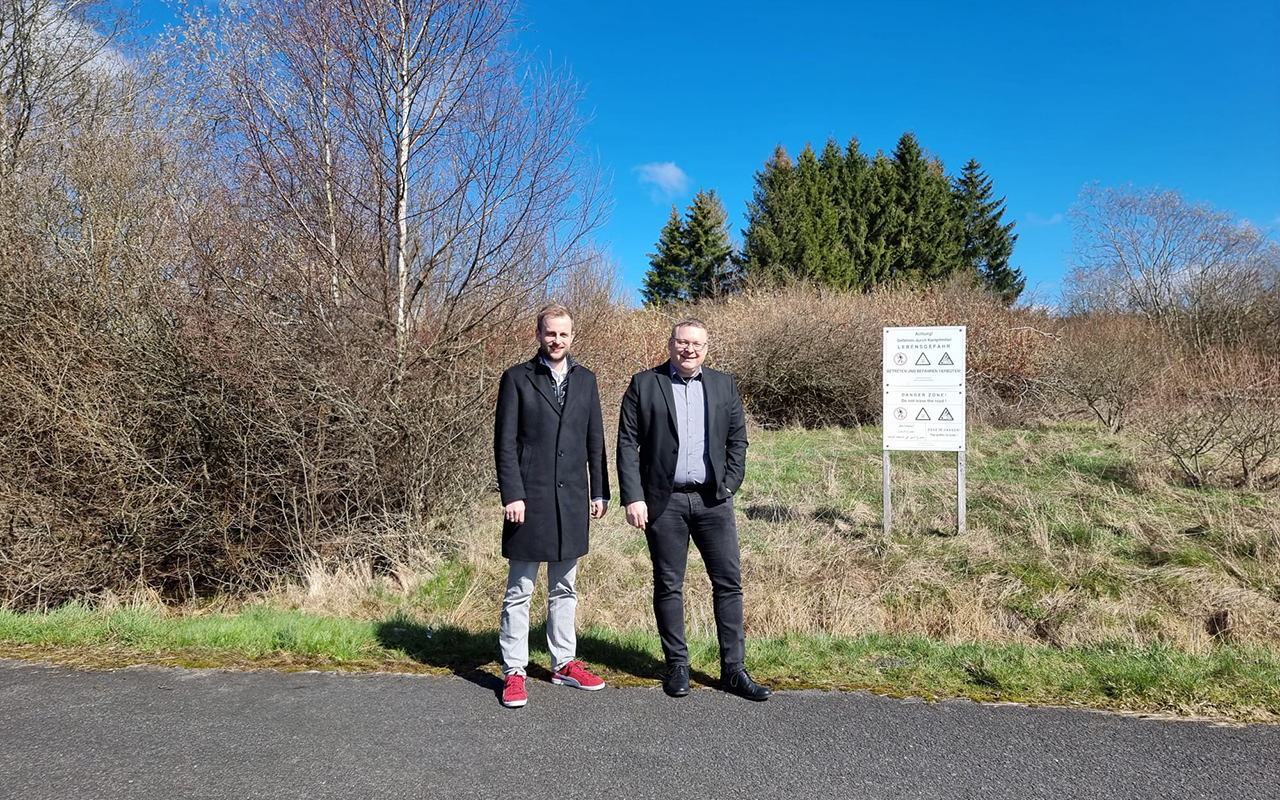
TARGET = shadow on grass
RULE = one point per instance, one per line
(841, 520)
(446, 647)
(465, 653)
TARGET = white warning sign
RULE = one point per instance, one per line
(924, 356)
(924, 419)
(924, 386)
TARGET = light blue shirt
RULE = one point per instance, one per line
(693, 465)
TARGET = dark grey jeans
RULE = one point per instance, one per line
(709, 522)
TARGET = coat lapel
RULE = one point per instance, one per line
(542, 383)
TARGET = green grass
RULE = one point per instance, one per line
(1233, 683)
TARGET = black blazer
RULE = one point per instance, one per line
(553, 458)
(648, 439)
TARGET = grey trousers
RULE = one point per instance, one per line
(562, 606)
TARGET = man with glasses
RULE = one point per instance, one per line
(682, 449)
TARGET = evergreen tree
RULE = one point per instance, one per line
(927, 247)
(694, 258)
(886, 221)
(850, 186)
(769, 240)
(987, 244)
(667, 279)
(707, 248)
(819, 247)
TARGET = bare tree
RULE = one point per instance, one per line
(1193, 269)
(430, 169)
(55, 55)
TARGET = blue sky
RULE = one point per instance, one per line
(1047, 96)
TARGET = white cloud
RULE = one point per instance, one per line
(1038, 219)
(664, 178)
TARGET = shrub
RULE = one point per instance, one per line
(1107, 363)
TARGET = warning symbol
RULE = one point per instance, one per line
(945, 416)
(945, 361)
(923, 414)
(899, 358)
(899, 413)
(923, 360)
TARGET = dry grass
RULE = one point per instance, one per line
(1070, 543)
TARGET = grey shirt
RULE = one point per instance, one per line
(693, 464)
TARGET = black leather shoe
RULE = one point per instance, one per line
(677, 682)
(740, 683)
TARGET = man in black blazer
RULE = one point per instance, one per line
(682, 450)
(548, 443)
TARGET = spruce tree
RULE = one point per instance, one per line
(819, 248)
(987, 244)
(886, 221)
(769, 240)
(707, 248)
(667, 278)
(927, 247)
(852, 191)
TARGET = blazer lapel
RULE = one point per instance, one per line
(663, 374)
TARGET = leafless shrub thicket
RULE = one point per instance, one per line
(1207, 278)
(1108, 363)
(1176, 320)
(809, 357)
(1216, 416)
(255, 316)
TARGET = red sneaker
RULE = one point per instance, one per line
(513, 694)
(575, 674)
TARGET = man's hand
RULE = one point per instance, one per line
(598, 507)
(514, 512)
(638, 514)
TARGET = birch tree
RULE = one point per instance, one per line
(429, 167)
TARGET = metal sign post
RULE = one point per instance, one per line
(924, 406)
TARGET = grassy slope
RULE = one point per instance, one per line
(1085, 578)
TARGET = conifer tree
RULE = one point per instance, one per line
(987, 243)
(927, 247)
(850, 185)
(707, 248)
(769, 240)
(819, 246)
(886, 221)
(667, 279)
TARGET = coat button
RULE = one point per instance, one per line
(675, 449)
(562, 454)
(561, 484)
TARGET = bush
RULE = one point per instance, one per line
(811, 357)
(1105, 364)
(1214, 411)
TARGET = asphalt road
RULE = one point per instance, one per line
(152, 733)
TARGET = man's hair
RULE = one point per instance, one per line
(553, 310)
(689, 322)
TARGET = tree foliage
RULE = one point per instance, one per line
(987, 242)
(846, 220)
(694, 255)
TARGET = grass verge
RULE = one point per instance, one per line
(1229, 683)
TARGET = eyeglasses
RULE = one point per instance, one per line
(685, 343)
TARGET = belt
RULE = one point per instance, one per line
(692, 488)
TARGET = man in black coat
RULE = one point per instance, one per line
(682, 451)
(548, 443)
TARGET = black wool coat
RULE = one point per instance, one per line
(553, 458)
(648, 438)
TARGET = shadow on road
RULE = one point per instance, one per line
(465, 653)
